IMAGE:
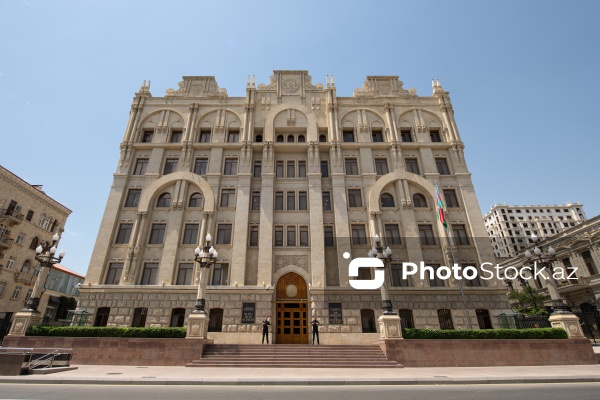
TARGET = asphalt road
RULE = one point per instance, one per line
(556, 391)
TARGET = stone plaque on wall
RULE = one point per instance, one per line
(248, 313)
(335, 314)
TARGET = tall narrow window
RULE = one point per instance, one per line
(164, 200)
(257, 171)
(176, 136)
(205, 135)
(291, 201)
(328, 235)
(139, 317)
(227, 198)
(445, 318)
(278, 200)
(460, 235)
(255, 201)
(278, 236)
(170, 166)
(102, 316)
(141, 165)
(434, 134)
(113, 276)
(483, 319)
(230, 166)
(392, 234)
(279, 169)
(354, 198)
(301, 169)
(348, 135)
(224, 234)
(253, 236)
(351, 166)
(406, 319)
(381, 166)
(304, 236)
(215, 318)
(147, 136)
(324, 169)
(376, 135)
(434, 279)
(450, 197)
(177, 317)
(412, 165)
(367, 318)
(124, 234)
(190, 234)
(201, 166)
(442, 166)
(291, 235)
(185, 273)
(397, 279)
(359, 235)
(406, 135)
(327, 201)
(233, 136)
(149, 274)
(302, 201)
(291, 169)
(426, 235)
(157, 234)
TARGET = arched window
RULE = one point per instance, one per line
(102, 316)
(280, 138)
(26, 267)
(43, 221)
(34, 243)
(322, 138)
(196, 200)
(367, 318)
(386, 200)
(53, 228)
(483, 318)
(406, 319)
(419, 200)
(164, 200)
(290, 139)
(258, 138)
(177, 317)
(301, 139)
(215, 320)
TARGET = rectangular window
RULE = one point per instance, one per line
(147, 136)
(381, 166)
(10, 264)
(406, 135)
(139, 317)
(29, 216)
(227, 198)
(327, 201)
(201, 166)
(434, 280)
(412, 165)
(426, 235)
(392, 234)
(2, 287)
(149, 274)
(397, 280)
(376, 135)
(253, 236)
(205, 135)
(351, 166)
(302, 201)
(354, 198)
(460, 235)
(291, 169)
(190, 234)
(16, 293)
(450, 196)
(434, 134)
(348, 135)
(279, 169)
(141, 165)
(185, 273)
(278, 236)
(291, 235)
(257, 171)
(328, 235)
(301, 169)
(278, 200)
(233, 136)
(170, 166)
(224, 234)
(124, 234)
(255, 201)
(113, 277)
(230, 166)
(442, 166)
(291, 201)
(324, 169)
(157, 234)
(133, 197)
(304, 236)
(359, 235)
(176, 136)
(220, 275)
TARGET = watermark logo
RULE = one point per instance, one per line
(366, 262)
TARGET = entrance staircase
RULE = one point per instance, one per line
(293, 356)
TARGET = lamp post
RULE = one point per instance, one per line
(30, 316)
(385, 255)
(206, 258)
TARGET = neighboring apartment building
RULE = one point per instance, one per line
(286, 180)
(61, 283)
(28, 217)
(509, 226)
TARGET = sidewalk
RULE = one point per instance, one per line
(130, 375)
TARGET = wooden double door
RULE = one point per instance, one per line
(292, 313)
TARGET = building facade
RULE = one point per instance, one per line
(28, 217)
(287, 179)
(509, 226)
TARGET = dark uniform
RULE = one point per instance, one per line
(315, 330)
(266, 324)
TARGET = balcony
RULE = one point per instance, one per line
(5, 242)
(25, 278)
(10, 217)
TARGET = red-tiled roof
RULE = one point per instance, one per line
(68, 271)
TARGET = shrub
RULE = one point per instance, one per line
(534, 333)
(102, 331)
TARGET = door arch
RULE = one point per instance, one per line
(291, 325)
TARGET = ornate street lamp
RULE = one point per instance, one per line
(47, 260)
(385, 255)
(206, 258)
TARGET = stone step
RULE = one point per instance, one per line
(241, 364)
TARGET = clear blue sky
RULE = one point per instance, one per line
(523, 77)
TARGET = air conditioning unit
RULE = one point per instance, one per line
(18, 208)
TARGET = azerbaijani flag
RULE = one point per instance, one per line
(440, 206)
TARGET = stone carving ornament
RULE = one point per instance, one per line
(291, 290)
(290, 86)
(283, 261)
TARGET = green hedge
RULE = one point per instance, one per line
(101, 331)
(536, 333)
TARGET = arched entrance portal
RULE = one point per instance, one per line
(291, 326)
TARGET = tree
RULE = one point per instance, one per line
(528, 301)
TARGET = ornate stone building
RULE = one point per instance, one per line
(286, 180)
